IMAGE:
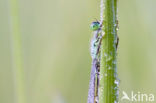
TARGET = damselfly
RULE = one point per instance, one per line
(95, 54)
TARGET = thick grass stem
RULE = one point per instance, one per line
(108, 73)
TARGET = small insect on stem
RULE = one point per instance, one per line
(95, 54)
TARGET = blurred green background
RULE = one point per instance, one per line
(55, 39)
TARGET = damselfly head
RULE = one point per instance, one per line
(95, 26)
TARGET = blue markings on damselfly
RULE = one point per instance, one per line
(93, 92)
(95, 26)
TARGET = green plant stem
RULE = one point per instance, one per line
(17, 53)
(108, 79)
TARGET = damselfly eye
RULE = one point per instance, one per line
(95, 26)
